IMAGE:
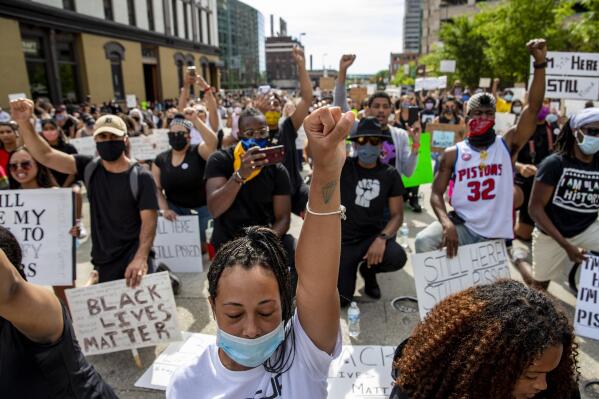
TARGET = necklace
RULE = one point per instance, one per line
(483, 157)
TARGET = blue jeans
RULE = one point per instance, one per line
(431, 238)
(202, 213)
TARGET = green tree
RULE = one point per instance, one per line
(403, 79)
(583, 27)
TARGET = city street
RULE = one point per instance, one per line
(381, 324)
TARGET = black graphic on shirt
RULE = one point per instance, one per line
(274, 391)
(366, 191)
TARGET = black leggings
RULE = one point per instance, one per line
(394, 259)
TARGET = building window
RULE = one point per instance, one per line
(185, 24)
(200, 13)
(175, 19)
(180, 63)
(115, 53)
(67, 70)
(208, 14)
(151, 25)
(131, 12)
(35, 58)
(68, 5)
(108, 14)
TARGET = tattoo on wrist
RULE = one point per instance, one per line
(328, 190)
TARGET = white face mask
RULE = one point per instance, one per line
(517, 110)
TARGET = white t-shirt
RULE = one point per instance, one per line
(206, 377)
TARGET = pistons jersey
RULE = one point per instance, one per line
(483, 189)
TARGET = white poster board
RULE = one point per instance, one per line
(41, 219)
(16, 96)
(84, 146)
(586, 318)
(177, 244)
(447, 66)
(504, 121)
(430, 83)
(570, 64)
(145, 148)
(437, 276)
(484, 83)
(360, 372)
(131, 101)
(111, 317)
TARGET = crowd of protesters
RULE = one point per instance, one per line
(245, 161)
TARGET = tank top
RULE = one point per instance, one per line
(483, 189)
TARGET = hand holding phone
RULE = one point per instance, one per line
(274, 155)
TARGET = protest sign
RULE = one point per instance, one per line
(437, 276)
(586, 319)
(177, 244)
(145, 148)
(326, 83)
(360, 372)
(16, 96)
(447, 66)
(571, 75)
(430, 83)
(358, 94)
(484, 83)
(504, 121)
(131, 101)
(41, 219)
(423, 173)
(111, 317)
(84, 146)
(444, 135)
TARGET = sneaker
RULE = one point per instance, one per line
(371, 287)
(416, 208)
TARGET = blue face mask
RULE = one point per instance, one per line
(551, 118)
(368, 153)
(508, 97)
(249, 143)
(589, 144)
(250, 352)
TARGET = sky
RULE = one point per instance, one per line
(371, 29)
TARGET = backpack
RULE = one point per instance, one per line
(91, 167)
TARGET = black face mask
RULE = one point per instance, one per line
(177, 141)
(484, 140)
(111, 150)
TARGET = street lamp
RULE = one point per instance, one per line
(300, 36)
(324, 65)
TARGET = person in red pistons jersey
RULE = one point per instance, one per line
(481, 168)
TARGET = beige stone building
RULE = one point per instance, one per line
(66, 50)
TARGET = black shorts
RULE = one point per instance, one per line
(116, 270)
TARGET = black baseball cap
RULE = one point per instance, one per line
(370, 127)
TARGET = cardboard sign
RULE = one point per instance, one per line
(360, 372)
(504, 121)
(423, 174)
(586, 319)
(84, 146)
(447, 66)
(41, 219)
(144, 148)
(437, 276)
(484, 83)
(444, 135)
(177, 244)
(327, 83)
(358, 94)
(111, 317)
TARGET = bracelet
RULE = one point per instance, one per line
(541, 65)
(415, 146)
(207, 89)
(238, 178)
(340, 212)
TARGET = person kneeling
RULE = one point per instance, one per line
(367, 187)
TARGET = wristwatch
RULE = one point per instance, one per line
(238, 178)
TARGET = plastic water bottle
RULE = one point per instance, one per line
(404, 232)
(353, 319)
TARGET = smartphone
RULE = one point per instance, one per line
(191, 70)
(413, 115)
(273, 154)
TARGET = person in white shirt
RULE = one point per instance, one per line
(265, 348)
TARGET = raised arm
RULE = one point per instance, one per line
(317, 298)
(211, 104)
(340, 95)
(32, 309)
(527, 123)
(188, 80)
(303, 107)
(210, 142)
(22, 112)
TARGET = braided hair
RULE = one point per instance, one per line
(485, 337)
(260, 246)
(565, 141)
(12, 249)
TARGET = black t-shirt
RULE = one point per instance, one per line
(253, 205)
(574, 204)
(537, 148)
(67, 149)
(286, 137)
(183, 185)
(29, 370)
(115, 218)
(365, 194)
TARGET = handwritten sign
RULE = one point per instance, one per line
(586, 319)
(145, 148)
(430, 83)
(437, 276)
(327, 83)
(484, 83)
(41, 219)
(444, 135)
(84, 146)
(111, 317)
(504, 121)
(360, 372)
(177, 244)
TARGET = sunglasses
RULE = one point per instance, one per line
(260, 133)
(372, 140)
(25, 165)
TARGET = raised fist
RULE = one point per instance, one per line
(366, 191)
(538, 49)
(346, 61)
(21, 110)
(298, 56)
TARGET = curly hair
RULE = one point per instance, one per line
(260, 246)
(478, 342)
